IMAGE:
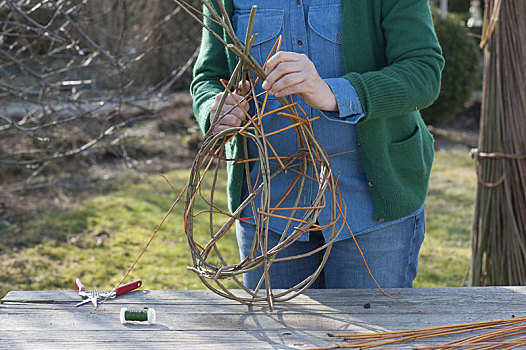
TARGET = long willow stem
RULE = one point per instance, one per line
(499, 334)
(147, 243)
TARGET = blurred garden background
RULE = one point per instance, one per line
(94, 107)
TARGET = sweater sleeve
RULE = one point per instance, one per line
(411, 79)
(211, 66)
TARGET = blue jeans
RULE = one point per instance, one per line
(391, 253)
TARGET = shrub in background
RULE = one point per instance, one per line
(461, 72)
(458, 6)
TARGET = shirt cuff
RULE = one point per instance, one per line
(349, 106)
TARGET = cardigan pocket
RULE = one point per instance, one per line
(409, 158)
(268, 25)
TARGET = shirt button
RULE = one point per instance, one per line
(381, 220)
(358, 144)
(300, 42)
(370, 183)
(339, 36)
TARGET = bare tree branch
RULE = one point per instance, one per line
(74, 75)
(44, 29)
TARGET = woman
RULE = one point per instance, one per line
(366, 67)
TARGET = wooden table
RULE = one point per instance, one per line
(199, 319)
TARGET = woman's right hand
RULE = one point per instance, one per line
(231, 114)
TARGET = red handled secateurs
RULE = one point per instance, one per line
(94, 295)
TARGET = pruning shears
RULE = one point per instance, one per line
(94, 295)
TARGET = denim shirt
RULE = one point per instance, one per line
(311, 27)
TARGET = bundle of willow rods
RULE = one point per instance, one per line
(499, 232)
(499, 334)
(209, 263)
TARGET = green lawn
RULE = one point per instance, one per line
(446, 252)
(98, 238)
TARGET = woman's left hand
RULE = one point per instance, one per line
(293, 73)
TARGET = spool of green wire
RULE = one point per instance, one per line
(147, 315)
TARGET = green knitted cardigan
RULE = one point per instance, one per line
(393, 59)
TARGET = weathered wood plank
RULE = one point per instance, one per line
(326, 296)
(510, 309)
(199, 319)
(71, 318)
(298, 339)
(491, 299)
(63, 320)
